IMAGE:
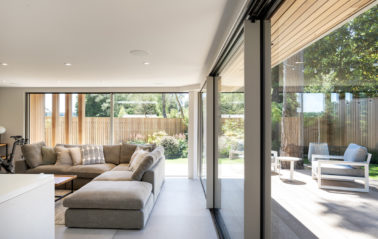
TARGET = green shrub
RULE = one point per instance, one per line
(171, 147)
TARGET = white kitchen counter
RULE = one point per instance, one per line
(26, 206)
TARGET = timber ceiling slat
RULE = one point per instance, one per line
(298, 23)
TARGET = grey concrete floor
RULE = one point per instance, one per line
(178, 213)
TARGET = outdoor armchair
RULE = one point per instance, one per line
(353, 165)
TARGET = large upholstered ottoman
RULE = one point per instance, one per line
(110, 204)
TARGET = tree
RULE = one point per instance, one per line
(349, 55)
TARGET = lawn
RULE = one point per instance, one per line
(373, 171)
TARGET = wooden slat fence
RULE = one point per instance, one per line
(349, 122)
(97, 129)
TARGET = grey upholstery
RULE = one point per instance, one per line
(109, 218)
(340, 170)
(110, 195)
(49, 169)
(317, 148)
(33, 154)
(114, 176)
(355, 153)
(91, 170)
(121, 167)
(112, 153)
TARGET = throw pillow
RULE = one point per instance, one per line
(75, 154)
(33, 154)
(127, 150)
(147, 162)
(137, 158)
(63, 156)
(48, 155)
(93, 154)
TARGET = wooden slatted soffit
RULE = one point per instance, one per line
(298, 23)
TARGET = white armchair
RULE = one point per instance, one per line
(274, 160)
(354, 165)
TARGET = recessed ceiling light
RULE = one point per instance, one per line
(139, 53)
(4, 64)
(146, 63)
(67, 64)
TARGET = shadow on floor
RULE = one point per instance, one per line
(285, 225)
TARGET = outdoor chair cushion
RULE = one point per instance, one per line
(355, 153)
(110, 195)
(112, 153)
(121, 167)
(115, 176)
(340, 170)
(317, 148)
(49, 169)
(90, 171)
(33, 154)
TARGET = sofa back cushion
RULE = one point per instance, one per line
(145, 163)
(33, 154)
(112, 153)
(93, 154)
(127, 150)
(355, 153)
(48, 155)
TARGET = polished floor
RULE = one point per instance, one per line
(179, 213)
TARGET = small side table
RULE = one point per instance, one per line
(6, 150)
(291, 160)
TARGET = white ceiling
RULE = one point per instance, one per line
(182, 36)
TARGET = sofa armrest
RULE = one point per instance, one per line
(20, 165)
(156, 176)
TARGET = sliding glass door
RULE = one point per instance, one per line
(229, 158)
(203, 135)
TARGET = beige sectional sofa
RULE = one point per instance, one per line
(109, 195)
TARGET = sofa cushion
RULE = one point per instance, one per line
(137, 158)
(355, 153)
(147, 162)
(48, 155)
(121, 167)
(127, 150)
(340, 170)
(91, 170)
(93, 154)
(33, 154)
(63, 156)
(50, 169)
(114, 176)
(110, 195)
(112, 153)
(76, 156)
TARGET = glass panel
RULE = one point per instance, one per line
(229, 181)
(160, 118)
(97, 119)
(203, 114)
(323, 99)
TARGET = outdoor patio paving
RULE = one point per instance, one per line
(301, 210)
